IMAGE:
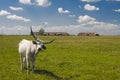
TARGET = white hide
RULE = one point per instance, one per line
(28, 51)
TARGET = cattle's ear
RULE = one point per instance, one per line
(34, 42)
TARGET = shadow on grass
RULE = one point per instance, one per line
(48, 73)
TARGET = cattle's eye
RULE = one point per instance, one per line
(34, 42)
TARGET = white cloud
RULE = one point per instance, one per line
(10, 30)
(113, 0)
(85, 19)
(80, 6)
(86, 24)
(117, 0)
(16, 8)
(43, 3)
(90, 24)
(101, 28)
(25, 1)
(3, 13)
(72, 16)
(18, 29)
(60, 10)
(90, 7)
(19, 18)
(90, 0)
(117, 10)
(45, 23)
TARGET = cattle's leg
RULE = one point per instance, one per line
(33, 65)
(28, 63)
(21, 67)
(24, 61)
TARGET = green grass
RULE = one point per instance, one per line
(68, 58)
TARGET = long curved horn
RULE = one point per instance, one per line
(48, 42)
(33, 34)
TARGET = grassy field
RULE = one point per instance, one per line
(68, 58)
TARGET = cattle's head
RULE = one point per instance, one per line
(39, 43)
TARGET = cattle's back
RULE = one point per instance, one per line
(24, 45)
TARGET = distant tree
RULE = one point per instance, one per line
(41, 31)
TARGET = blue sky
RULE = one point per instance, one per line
(72, 16)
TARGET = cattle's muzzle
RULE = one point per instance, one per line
(39, 49)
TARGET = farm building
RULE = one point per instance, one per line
(56, 34)
(53, 33)
(36, 33)
(87, 34)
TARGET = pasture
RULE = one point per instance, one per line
(68, 58)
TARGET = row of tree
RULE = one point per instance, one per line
(42, 32)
